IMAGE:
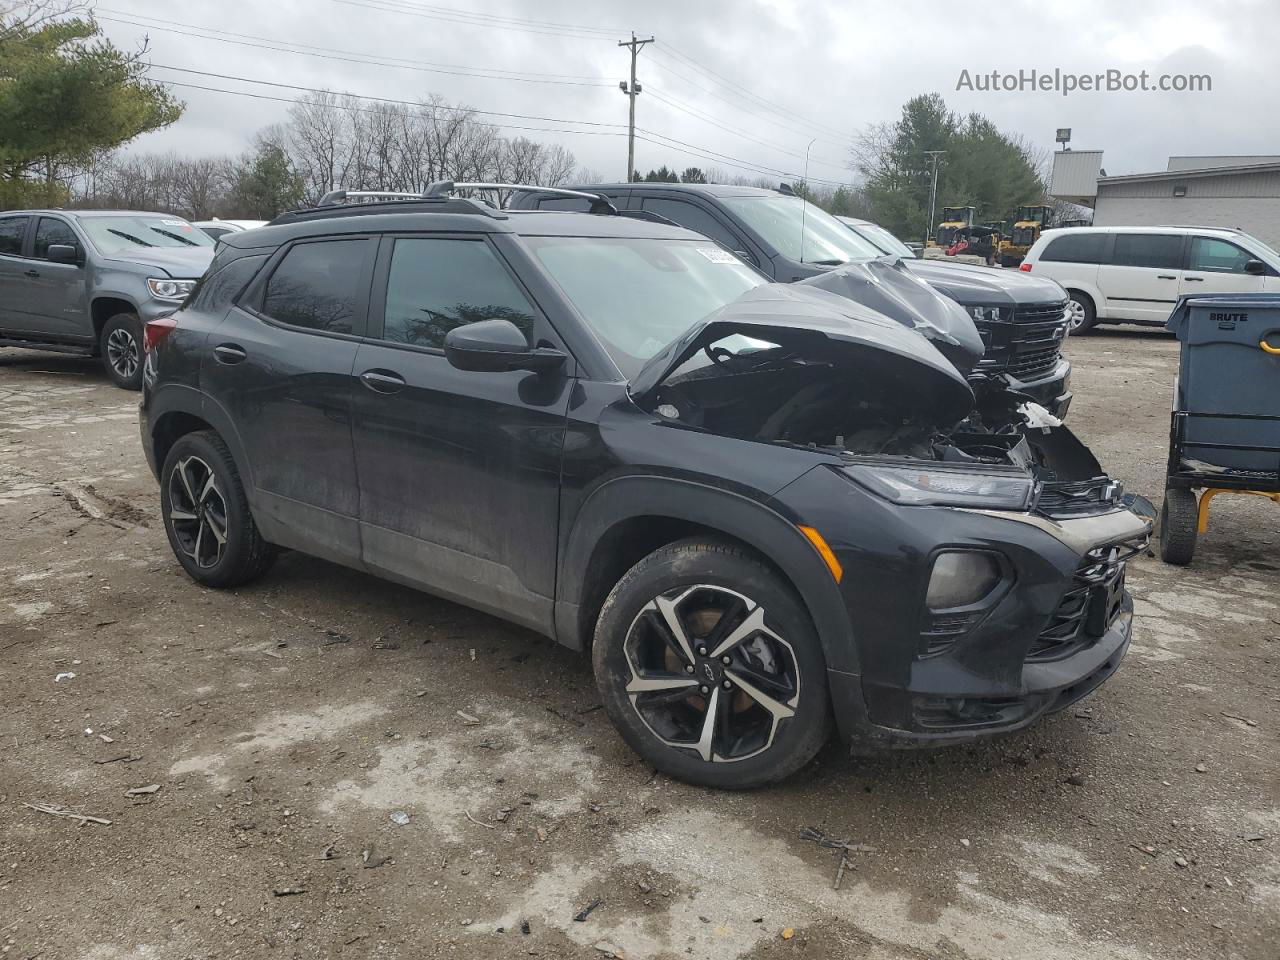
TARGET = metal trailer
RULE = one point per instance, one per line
(1224, 434)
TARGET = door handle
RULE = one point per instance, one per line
(229, 353)
(1195, 279)
(1165, 276)
(32, 273)
(382, 381)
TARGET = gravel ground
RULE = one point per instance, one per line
(288, 726)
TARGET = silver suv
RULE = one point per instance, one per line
(86, 281)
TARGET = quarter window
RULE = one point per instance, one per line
(1159, 250)
(317, 286)
(1075, 248)
(436, 285)
(11, 232)
(49, 232)
(1217, 256)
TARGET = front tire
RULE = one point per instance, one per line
(206, 514)
(120, 344)
(710, 667)
(1179, 522)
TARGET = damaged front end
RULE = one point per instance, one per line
(981, 547)
(816, 369)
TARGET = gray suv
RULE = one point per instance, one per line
(86, 281)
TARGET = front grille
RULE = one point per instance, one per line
(1024, 236)
(1029, 346)
(1088, 609)
(1033, 363)
(1054, 312)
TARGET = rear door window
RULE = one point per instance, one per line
(12, 230)
(1211, 255)
(437, 284)
(1161, 251)
(320, 285)
(50, 231)
(1075, 248)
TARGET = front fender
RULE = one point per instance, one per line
(736, 516)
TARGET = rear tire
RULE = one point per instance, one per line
(1084, 315)
(1179, 519)
(120, 344)
(206, 514)
(753, 721)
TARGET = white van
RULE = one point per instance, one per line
(1136, 274)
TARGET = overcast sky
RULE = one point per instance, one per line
(752, 80)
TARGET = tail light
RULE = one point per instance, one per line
(1024, 267)
(155, 331)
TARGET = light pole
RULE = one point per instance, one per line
(935, 156)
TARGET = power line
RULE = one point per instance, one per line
(409, 103)
(462, 17)
(747, 94)
(749, 110)
(699, 115)
(347, 56)
(646, 136)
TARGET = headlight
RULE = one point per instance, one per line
(990, 314)
(938, 485)
(170, 289)
(961, 578)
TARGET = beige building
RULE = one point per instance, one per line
(1217, 191)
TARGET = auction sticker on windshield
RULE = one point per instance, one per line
(716, 255)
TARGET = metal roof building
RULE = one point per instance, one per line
(1218, 191)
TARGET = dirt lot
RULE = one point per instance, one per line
(286, 723)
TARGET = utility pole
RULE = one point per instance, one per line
(632, 90)
(934, 156)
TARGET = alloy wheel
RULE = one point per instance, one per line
(1076, 314)
(707, 675)
(122, 352)
(197, 512)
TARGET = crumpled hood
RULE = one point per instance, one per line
(889, 287)
(181, 263)
(986, 286)
(821, 327)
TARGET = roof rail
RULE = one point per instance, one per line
(335, 197)
(599, 203)
(1201, 226)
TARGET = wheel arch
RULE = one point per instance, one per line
(628, 518)
(1089, 292)
(177, 409)
(103, 308)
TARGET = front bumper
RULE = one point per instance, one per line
(1052, 391)
(1056, 629)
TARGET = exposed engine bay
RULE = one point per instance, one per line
(874, 388)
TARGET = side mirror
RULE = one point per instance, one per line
(62, 253)
(1255, 267)
(494, 346)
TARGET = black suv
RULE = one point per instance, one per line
(1022, 319)
(762, 507)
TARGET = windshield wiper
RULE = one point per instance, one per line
(129, 236)
(174, 236)
(828, 263)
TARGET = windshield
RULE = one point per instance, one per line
(637, 294)
(112, 235)
(882, 238)
(801, 231)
